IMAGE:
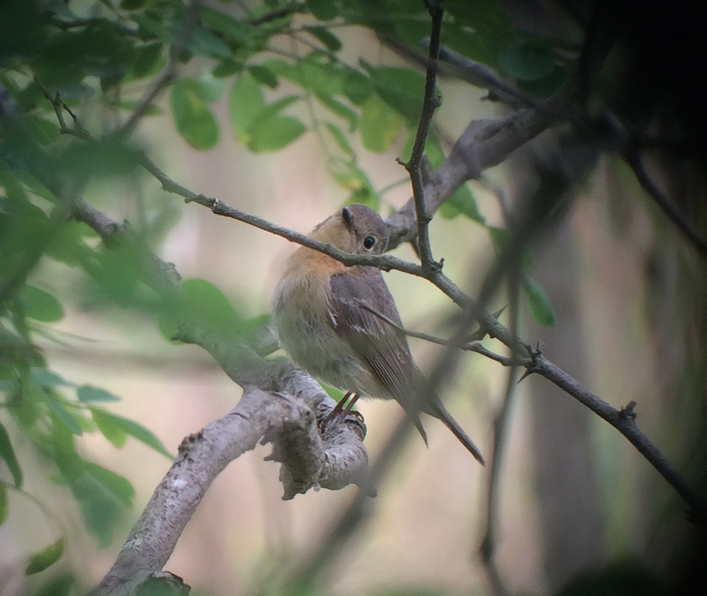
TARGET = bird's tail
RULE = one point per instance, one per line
(439, 411)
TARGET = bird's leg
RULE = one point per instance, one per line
(339, 407)
(351, 404)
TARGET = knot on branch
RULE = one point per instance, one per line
(629, 412)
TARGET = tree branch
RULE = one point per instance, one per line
(287, 421)
(414, 166)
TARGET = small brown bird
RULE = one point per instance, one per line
(322, 323)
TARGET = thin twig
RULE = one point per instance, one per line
(487, 548)
(482, 76)
(633, 159)
(474, 346)
(168, 74)
(414, 165)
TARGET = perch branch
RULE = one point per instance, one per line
(202, 457)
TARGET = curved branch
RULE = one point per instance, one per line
(288, 422)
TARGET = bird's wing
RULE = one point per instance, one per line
(379, 344)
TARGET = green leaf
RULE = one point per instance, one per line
(115, 484)
(130, 427)
(104, 158)
(46, 378)
(357, 87)
(331, 41)
(339, 109)
(324, 10)
(502, 239)
(526, 61)
(209, 305)
(64, 415)
(7, 453)
(401, 88)
(340, 139)
(264, 76)
(238, 31)
(540, 306)
(275, 133)
(87, 393)
(147, 61)
(45, 558)
(315, 73)
(462, 202)
(350, 177)
(4, 504)
(193, 118)
(210, 88)
(380, 125)
(100, 507)
(247, 102)
(41, 305)
(203, 42)
(106, 424)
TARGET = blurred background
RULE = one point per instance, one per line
(576, 502)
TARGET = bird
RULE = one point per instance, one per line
(326, 316)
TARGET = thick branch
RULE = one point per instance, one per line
(202, 456)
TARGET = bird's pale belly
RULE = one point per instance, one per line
(312, 342)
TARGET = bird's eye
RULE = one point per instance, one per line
(369, 242)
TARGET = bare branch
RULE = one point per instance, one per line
(633, 159)
(414, 165)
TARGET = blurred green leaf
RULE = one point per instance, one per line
(340, 139)
(315, 72)
(99, 159)
(352, 178)
(331, 41)
(203, 42)
(380, 125)
(239, 32)
(540, 306)
(275, 133)
(526, 61)
(357, 87)
(40, 305)
(209, 305)
(135, 430)
(247, 102)
(7, 453)
(263, 75)
(339, 109)
(65, 415)
(87, 393)
(45, 558)
(147, 61)
(462, 202)
(100, 508)
(46, 378)
(115, 434)
(193, 118)
(114, 483)
(4, 504)
(324, 10)
(401, 88)
(502, 239)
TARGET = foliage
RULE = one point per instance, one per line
(59, 59)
